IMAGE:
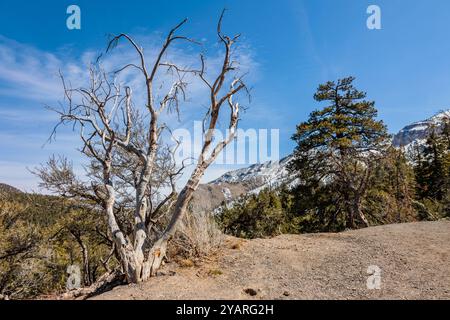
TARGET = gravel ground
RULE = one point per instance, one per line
(414, 259)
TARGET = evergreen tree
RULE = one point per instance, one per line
(258, 215)
(390, 198)
(446, 161)
(432, 169)
(336, 151)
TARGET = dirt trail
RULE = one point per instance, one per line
(414, 260)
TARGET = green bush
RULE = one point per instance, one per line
(38, 241)
(256, 216)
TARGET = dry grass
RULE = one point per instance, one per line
(198, 236)
(186, 263)
(215, 272)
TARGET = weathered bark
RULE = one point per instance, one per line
(130, 266)
(104, 283)
(159, 249)
(361, 215)
(356, 212)
(85, 256)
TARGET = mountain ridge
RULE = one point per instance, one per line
(6, 188)
(419, 130)
(256, 177)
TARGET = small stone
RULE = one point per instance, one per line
(251, 292)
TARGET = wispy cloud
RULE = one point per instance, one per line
(29, 79)
(22, 114)
(28, 73)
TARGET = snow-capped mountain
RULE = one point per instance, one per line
(234, 184)
(256, 177)
(268, 173)
(418, 131)
(274, 173)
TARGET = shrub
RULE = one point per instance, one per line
(198, 235)
(256, 216)
(37, 243)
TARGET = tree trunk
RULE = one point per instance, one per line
(87, 279)
(363, 217)
(130, 266)
(356, 211)
(86, 267)
(104, 283)
(350, 219)
(159, 249)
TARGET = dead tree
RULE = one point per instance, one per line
(124, 146)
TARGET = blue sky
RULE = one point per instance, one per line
(290, 46)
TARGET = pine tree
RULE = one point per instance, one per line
(336, 151)
(432, 169)
(446, 161)
(390, 198)
(257, 215)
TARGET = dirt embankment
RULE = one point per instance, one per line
(414, 260)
